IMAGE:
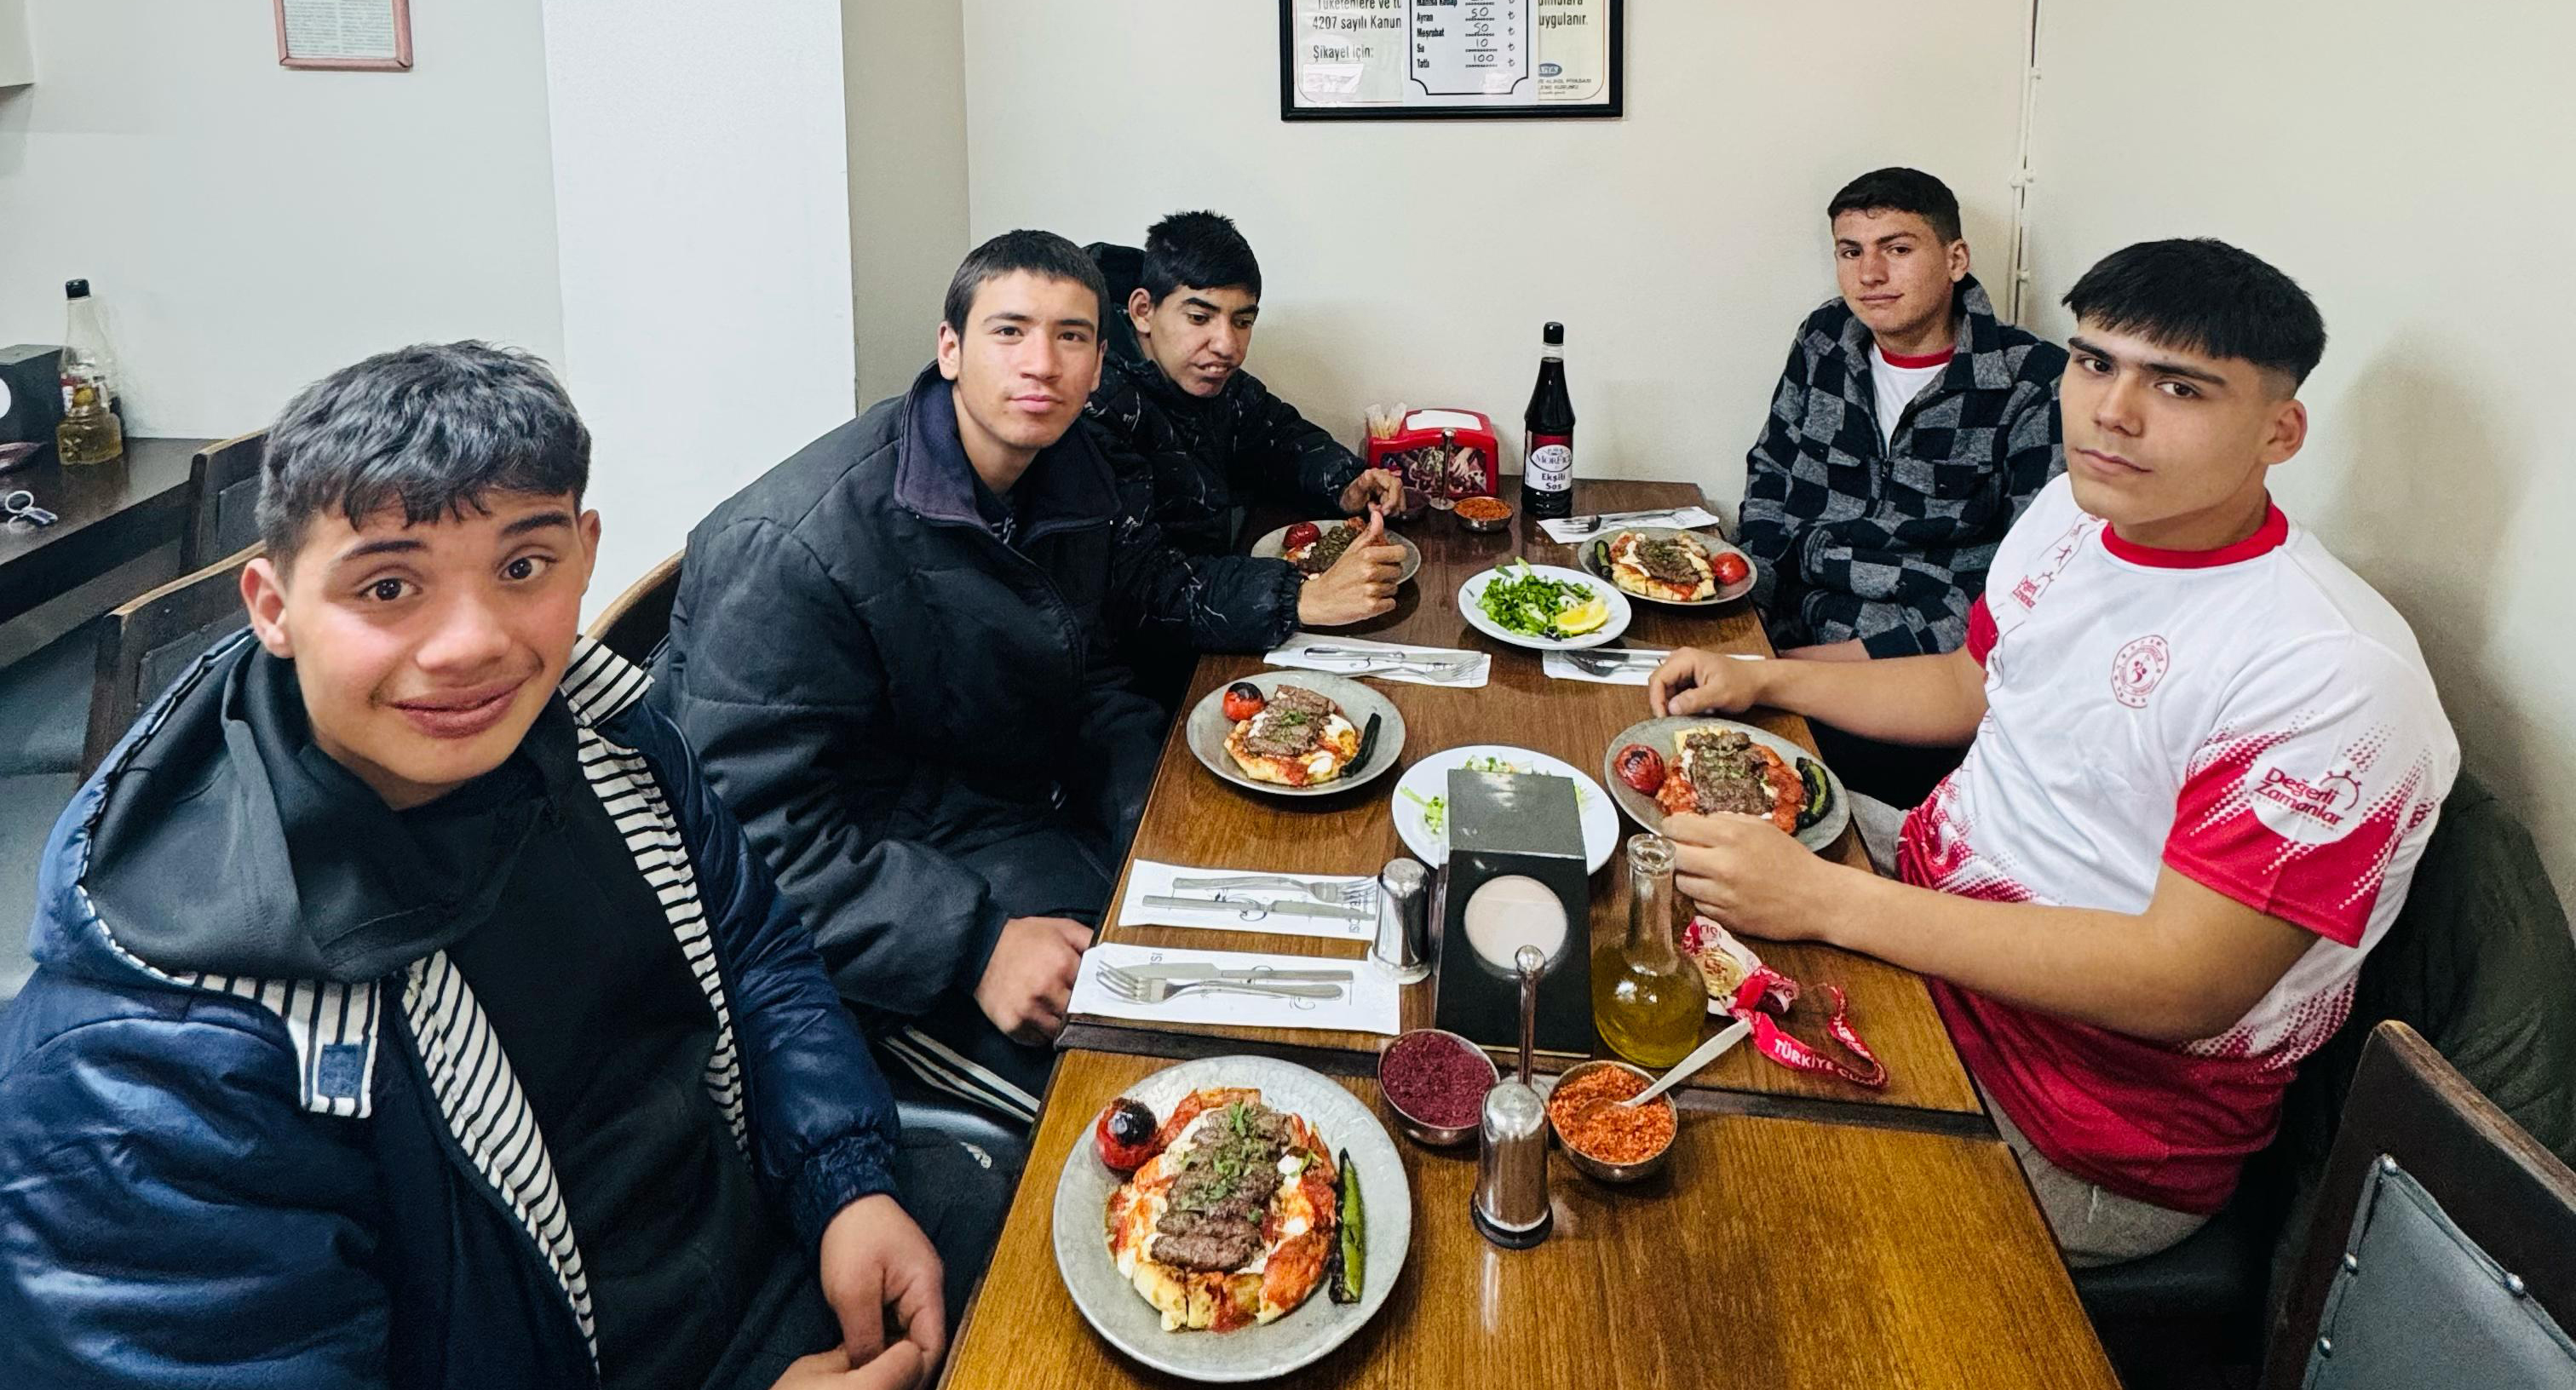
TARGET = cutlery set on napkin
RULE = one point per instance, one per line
(1570, 529)
(1235, 988)
(1353, 656)
(1241, 987)
(1606, 665)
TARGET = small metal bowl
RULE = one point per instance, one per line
(1598, 1168)
(1497, 524)
(1437, 1136)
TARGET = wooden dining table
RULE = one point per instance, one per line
(121, 531)
(1806, 1232)
(1193, 817)
(1783, 1253)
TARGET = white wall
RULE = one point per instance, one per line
(17, 60)
(2408, 165)
(1416, 260)
(250, 228)
(703, 224)
(904, 72)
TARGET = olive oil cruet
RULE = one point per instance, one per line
(1648, 1000)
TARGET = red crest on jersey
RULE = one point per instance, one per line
(2137, 670)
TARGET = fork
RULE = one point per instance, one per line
(1611, 661)
(1153, 991)
(1346, 894)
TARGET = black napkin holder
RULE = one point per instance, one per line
(1526, 828)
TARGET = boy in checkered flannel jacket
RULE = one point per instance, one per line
(1909, 429)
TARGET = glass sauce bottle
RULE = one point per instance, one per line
(1647, 997)
(1547, 447)
(90, 432)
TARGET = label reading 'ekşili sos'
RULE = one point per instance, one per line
(1549, 464)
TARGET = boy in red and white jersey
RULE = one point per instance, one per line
(2206, 758)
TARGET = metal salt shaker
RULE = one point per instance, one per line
(1403, 921)
(1511, 1208)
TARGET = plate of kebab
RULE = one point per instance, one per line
(1231, 1219)
(1680, 764)
(1316, 546)
(1683, 569)
(1295, 733)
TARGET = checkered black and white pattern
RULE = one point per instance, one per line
(1890, 545)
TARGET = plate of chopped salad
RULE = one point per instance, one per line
(1546, 607)
(1421, 801)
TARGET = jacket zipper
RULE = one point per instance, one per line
(1074, 644)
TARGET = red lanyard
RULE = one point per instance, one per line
(1767, 989)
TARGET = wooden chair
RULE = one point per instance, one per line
(144, 645)
(223, 492)
(635, 623)
(2444, 1252)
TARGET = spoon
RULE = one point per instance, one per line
(1701, 1056)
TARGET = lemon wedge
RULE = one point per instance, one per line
(1584, 617)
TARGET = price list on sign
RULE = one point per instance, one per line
(1386, 59)
(1470, 47)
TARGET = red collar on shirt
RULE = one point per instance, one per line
(2266, 537)
(1929, 359)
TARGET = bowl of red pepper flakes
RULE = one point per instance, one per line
(1435, 1081)
(1602, 1137)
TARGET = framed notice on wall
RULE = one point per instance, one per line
(1398, 59)
(366, 35)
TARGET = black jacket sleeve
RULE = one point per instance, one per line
(1207, 603)
(824, 1129)
(777, 683)
(1281, 455)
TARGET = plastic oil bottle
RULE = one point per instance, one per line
(90, 431)
(1648, 1001)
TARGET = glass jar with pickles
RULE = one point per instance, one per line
(1647, 997)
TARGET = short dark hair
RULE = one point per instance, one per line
(1201, 249)
(1039, 253)
(2203, 295)
(429, 428)
(1899, 189)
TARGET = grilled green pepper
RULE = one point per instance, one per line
(1820, 793)
(1350, 1254)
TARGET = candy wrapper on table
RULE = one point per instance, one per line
(1741, 986)
(1444, 454)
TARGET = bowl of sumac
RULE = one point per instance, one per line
(1435, 1081)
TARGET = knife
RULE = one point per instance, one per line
(1254, 976)
(1285, 907)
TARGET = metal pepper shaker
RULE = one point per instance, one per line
(1403, 921)
(1511, 1206)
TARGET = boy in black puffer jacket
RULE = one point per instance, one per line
(1194, 439)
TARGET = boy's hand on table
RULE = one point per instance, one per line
(1028, 983)
(1752, 877)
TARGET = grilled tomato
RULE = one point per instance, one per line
(1125, 1135)
(1728, 568)
(1640, 767)
(1243, 700)
(1301, 535)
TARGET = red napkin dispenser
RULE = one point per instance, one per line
(1443, 453)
